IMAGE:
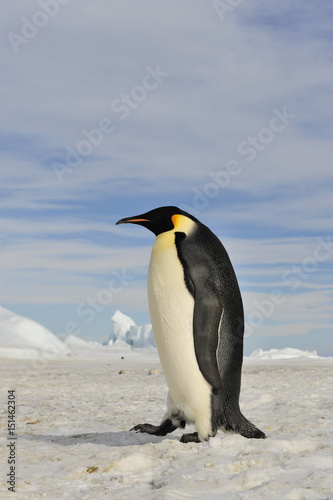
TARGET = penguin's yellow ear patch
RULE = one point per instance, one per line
(176, 220)
(182, 223)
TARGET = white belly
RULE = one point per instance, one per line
(171, 311)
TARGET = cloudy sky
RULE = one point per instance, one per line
(112, 108)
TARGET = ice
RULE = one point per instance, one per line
(124, 329)
(121, 325)
(141, 336)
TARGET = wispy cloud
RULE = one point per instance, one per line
(225, 77)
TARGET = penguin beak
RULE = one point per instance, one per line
(133, 220)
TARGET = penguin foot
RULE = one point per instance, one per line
(155, 430)
(190, 438)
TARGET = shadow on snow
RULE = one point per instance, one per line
(121, 438)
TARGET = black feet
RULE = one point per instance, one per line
(190, 438)
(164, 429)
(155, 430)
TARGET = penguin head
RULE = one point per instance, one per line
(158, 220)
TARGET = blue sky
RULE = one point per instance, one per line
(112, 108)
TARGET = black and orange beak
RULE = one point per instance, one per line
(134, 220)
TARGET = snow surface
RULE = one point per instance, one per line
(74, 412)
(73, 440)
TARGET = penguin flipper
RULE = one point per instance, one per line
(208, 307)
(207, 315)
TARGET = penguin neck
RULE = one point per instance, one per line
(166, 240)
(183, 224)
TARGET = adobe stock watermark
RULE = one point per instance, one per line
(119, 280)
(292, 278)
(30, 27)
(225, 7)
(249, 148)
(122, 107)
(117, 283)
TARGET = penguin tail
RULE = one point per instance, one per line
(241, 425)
(247, 429)
(227, 416)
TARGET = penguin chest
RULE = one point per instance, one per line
(171, 309)
(170, 303)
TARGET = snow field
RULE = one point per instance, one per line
(74, 442)
(76, 401)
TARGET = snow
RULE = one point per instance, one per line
(73, 439)
(22, 337)
(286, 353)
(75, 408)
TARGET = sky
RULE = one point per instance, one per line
(113, 108)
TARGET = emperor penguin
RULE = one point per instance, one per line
(197, 317)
